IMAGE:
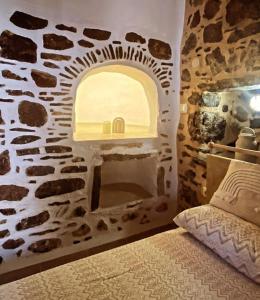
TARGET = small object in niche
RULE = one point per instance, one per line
(106, 127)
(118, 125)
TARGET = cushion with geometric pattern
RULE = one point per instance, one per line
(232, 238)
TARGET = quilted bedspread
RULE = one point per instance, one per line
(170, 265)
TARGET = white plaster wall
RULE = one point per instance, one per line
(152, 18)
(162, 18)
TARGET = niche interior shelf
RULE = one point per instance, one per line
(120, 193)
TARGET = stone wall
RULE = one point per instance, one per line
(46, 178)
(220, 49)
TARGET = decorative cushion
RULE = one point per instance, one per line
(232, 238)
(239, 192)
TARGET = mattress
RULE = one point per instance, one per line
(170, 265)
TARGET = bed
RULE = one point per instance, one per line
(170, 265)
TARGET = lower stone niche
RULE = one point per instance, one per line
(120, 193)
(117, 182)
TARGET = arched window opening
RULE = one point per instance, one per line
(116, 102)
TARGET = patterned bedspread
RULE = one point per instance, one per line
(171, 265)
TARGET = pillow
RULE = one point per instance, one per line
(239, 192)
(232, 238)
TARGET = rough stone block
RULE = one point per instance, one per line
(45, 245)
(32, 114)
(97, 34)
(5, 166)
(43, 79)
(33, 221)
(135, 38)
(27, 21)
(13, 192)
(13, 244)
(56, 42)
(160, 49)
(213, 33)
(17, 47)
(59, 187)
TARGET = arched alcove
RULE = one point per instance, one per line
(116, 102)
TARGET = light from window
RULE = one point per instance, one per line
(255, 103)
(116, 102)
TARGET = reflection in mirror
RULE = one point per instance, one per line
(230, 117)
(237, 109)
